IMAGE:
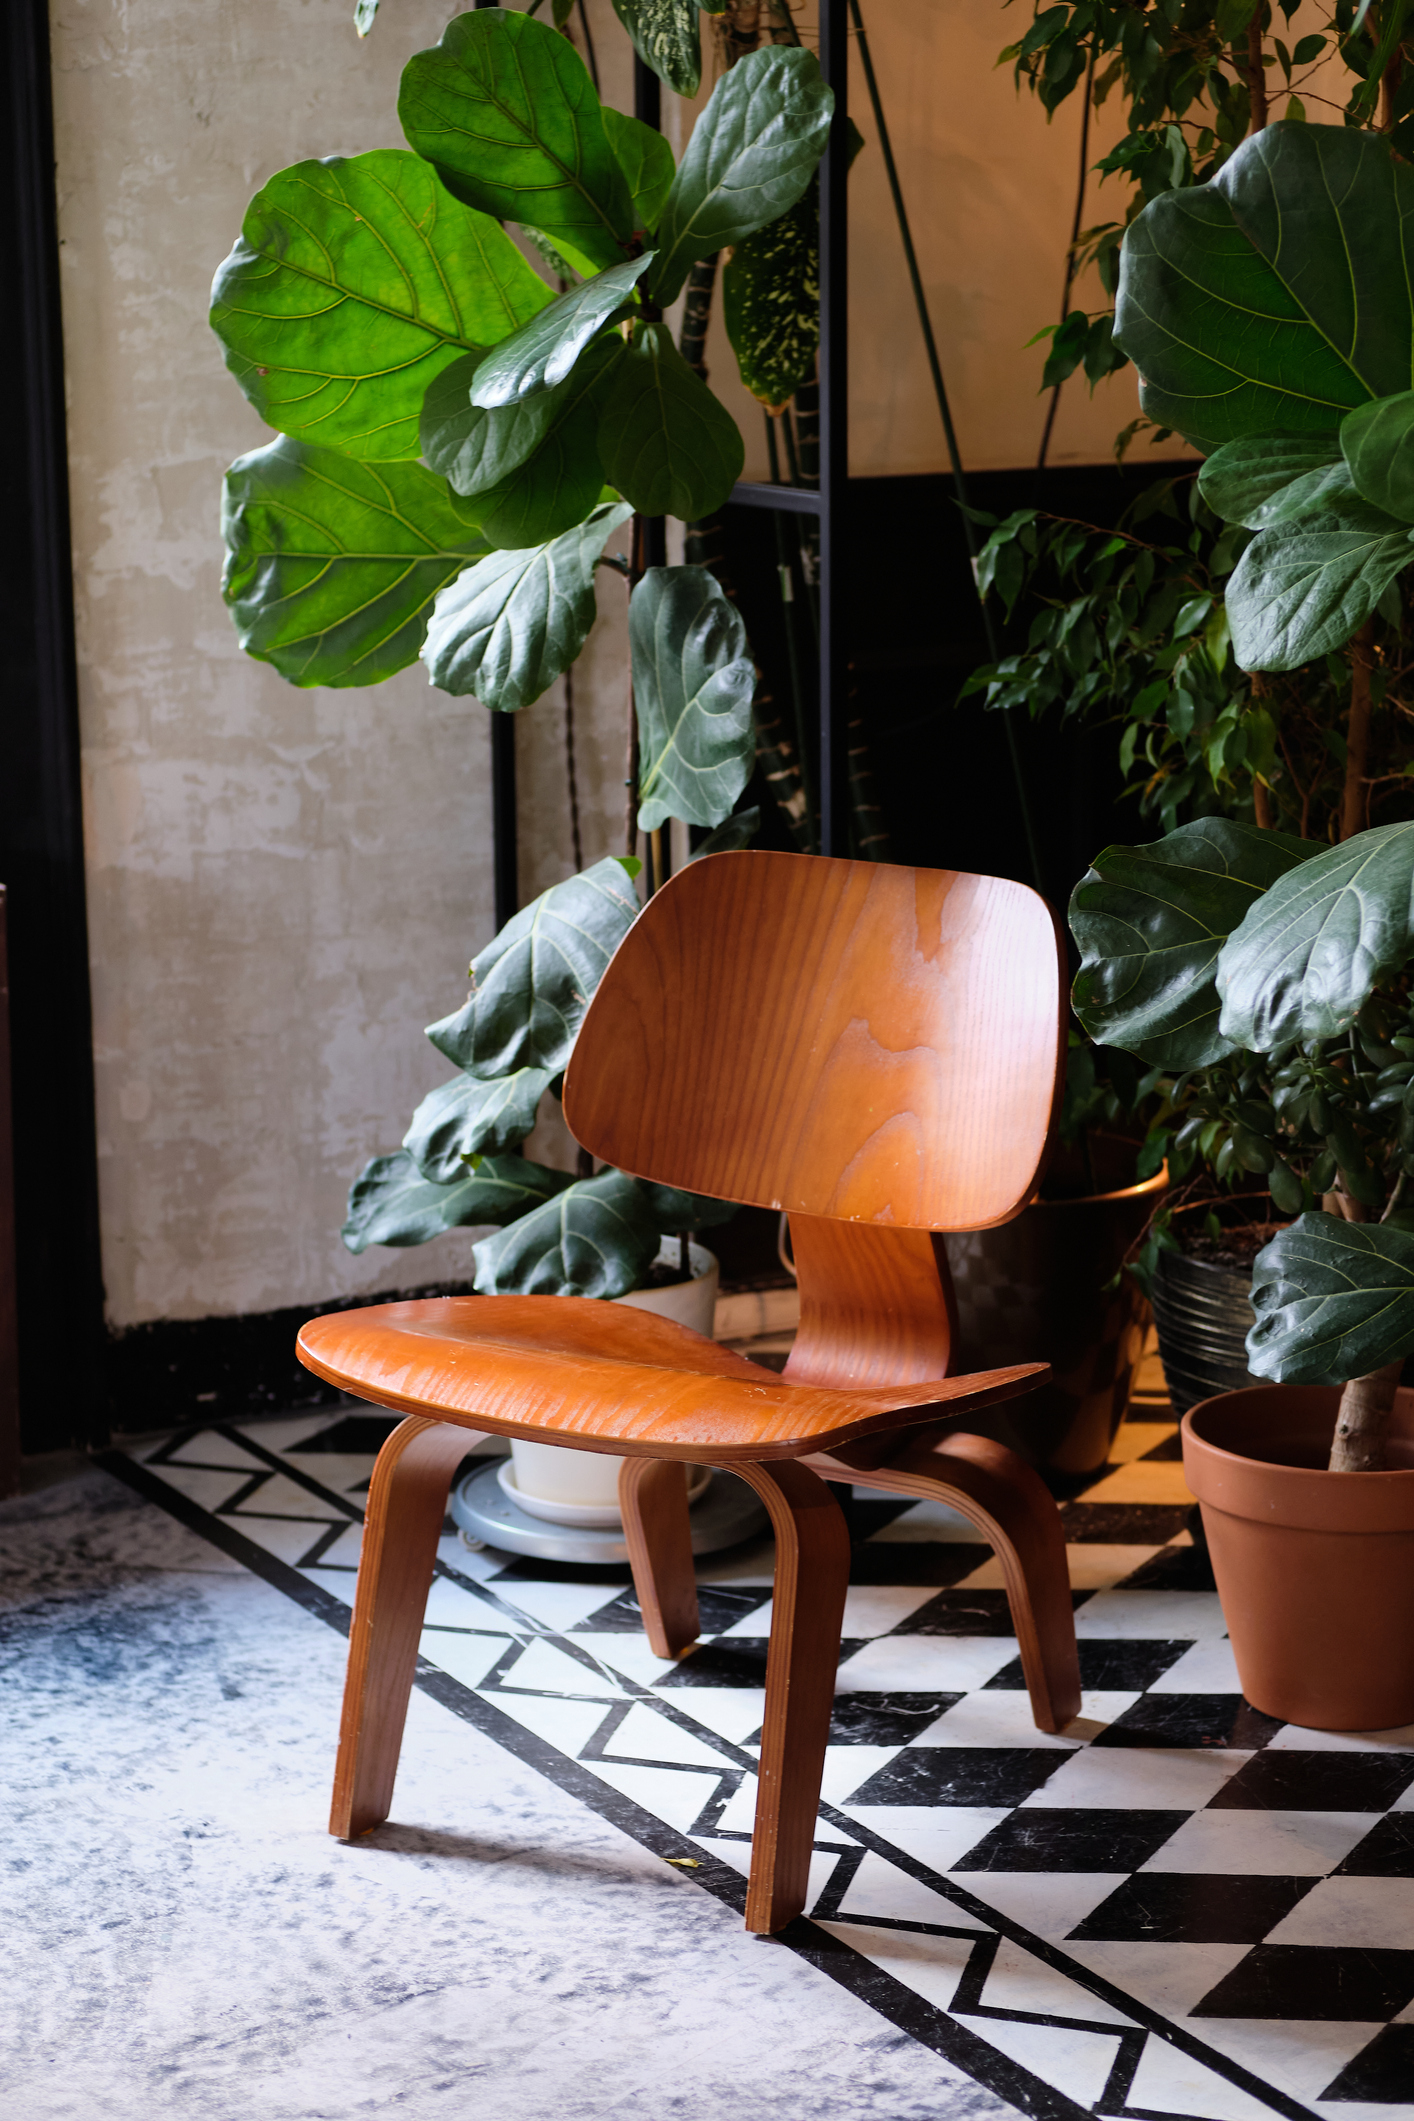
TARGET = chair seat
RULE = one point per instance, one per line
(608, 1377)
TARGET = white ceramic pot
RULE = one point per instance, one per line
(582, 1487)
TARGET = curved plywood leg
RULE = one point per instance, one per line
(812, 1575)
(407, 1499)
(658, 1530)
(1016, 1514)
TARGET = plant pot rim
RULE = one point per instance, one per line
(1144, 1186)
(1309, 1498)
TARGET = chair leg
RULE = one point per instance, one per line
(1016, 1514)
(407, 1499)
(812, 1575)
(653, 1504)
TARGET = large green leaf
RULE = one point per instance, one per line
(1263, 480)
(505, 112)
(597, 1238)
(1334, 1300)
(665, 36)
(332, 566)
(665, 442)
(752, 152)
(391, 1203)
(1150, 922)
(1378, 441)
(555, 486)
(532, 985)
(1301, 591)
(693, 683)
(1277, 297)
(468, 1117)
(474, 449)
(510, 625)
(647, 162)
(771, 301)
(1307, 954)
(546, 350)
(352, 284)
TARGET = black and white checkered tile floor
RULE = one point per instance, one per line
(1178, 1907)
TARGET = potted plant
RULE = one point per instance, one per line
(1272, 975)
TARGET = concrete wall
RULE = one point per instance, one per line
(285, 885)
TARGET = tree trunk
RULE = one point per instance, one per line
(1256, 75)
(1361, 1425)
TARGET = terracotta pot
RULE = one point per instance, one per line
(1038, 1290)
(1315, 1570)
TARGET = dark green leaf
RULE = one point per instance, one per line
(390, 1203)
(1378, 441)
(474, 449)
(1275, 298)
(1307, 955)
(665, 442)
(646, 160)
(1150, 922)
(506, 113)
(665, 36)
(546, 350)
(1263, 480)
(674, 1211)
(693, 683)
(1299, 592)
(738, 830)
(771, 301)
(532, 985)
(510, 625)
(468, 1117)
(597, 1238)
(752, 152)
(352, 284)
(558, 484)
(332, 566)
(1334, 1300)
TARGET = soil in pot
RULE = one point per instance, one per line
(1315, 1569)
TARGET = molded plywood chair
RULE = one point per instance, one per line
(876, 1050)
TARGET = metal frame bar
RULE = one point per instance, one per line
(834, 434)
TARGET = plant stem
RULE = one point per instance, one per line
(1357, 732)
(575, 841)
(1256, 74)
(1361, 1426)
(1077, 217)
(697, 313)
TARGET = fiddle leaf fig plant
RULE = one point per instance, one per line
(1273, 976)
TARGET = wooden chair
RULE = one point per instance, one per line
(876, 1050)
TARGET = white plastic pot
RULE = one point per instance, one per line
(582, 1487)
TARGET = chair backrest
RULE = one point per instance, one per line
(842, 1039)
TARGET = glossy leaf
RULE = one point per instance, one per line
(1378, 441)
(510, 625)
(738, 830)
(597, 1238)
(507, 115)
(666, 444)
(665, 36)
(1334, 1300)
(391, 1203)
(1307, 954)
(532, 985)
(693, 683)
(752, 152)
(555, 488)
(474, 449)
(1150, 922)
(1263, 480)
(546, 350)
(332, 566)
(647, 162)
(353, 283)
(1301, 591)
(1276, 298)
(468, 1117)
(771, 302)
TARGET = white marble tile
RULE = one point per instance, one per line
(930, 1966)
(644, 1734)
(467, 1657)
(734, 1713)
(549, 1671)
(1296, 1738)
(1076, 2063)
(568, 1725)
(1207, 1668)
(280, 1496)
(1172, 1978)
(848, 1768)
(289, 1539)
(929, 1521)
(554, 1605)
(1168, 2081)
(281, 1432)
(207, 1449)
(345, 1552)
(630, 1655)
(209, 1491)
(451, 1605)
(1091, 1568)
(869, 1609)
(1376, 1913)
(881, 1889)
(1296, 2055)
(1147, 1778)
(1151, 1616)
(674, 1795)
(1050, 1903)
(1262, 1844)
(1019, 1981)
(1002, 1718)
(924, 1664)
(936, 1834)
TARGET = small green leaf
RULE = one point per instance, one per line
(1334, 1300)
(693, 684)
(547, 349)
(771, 301)
(752, 152)
(597, 1238)
(467, 1117)
(1302, 591)
(1378, 441)
(532, 985)
(646, 160)
(332, 566)
(507, 628)
(664, 34)
(391, 1203)
(666, 444)
(506, 113)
